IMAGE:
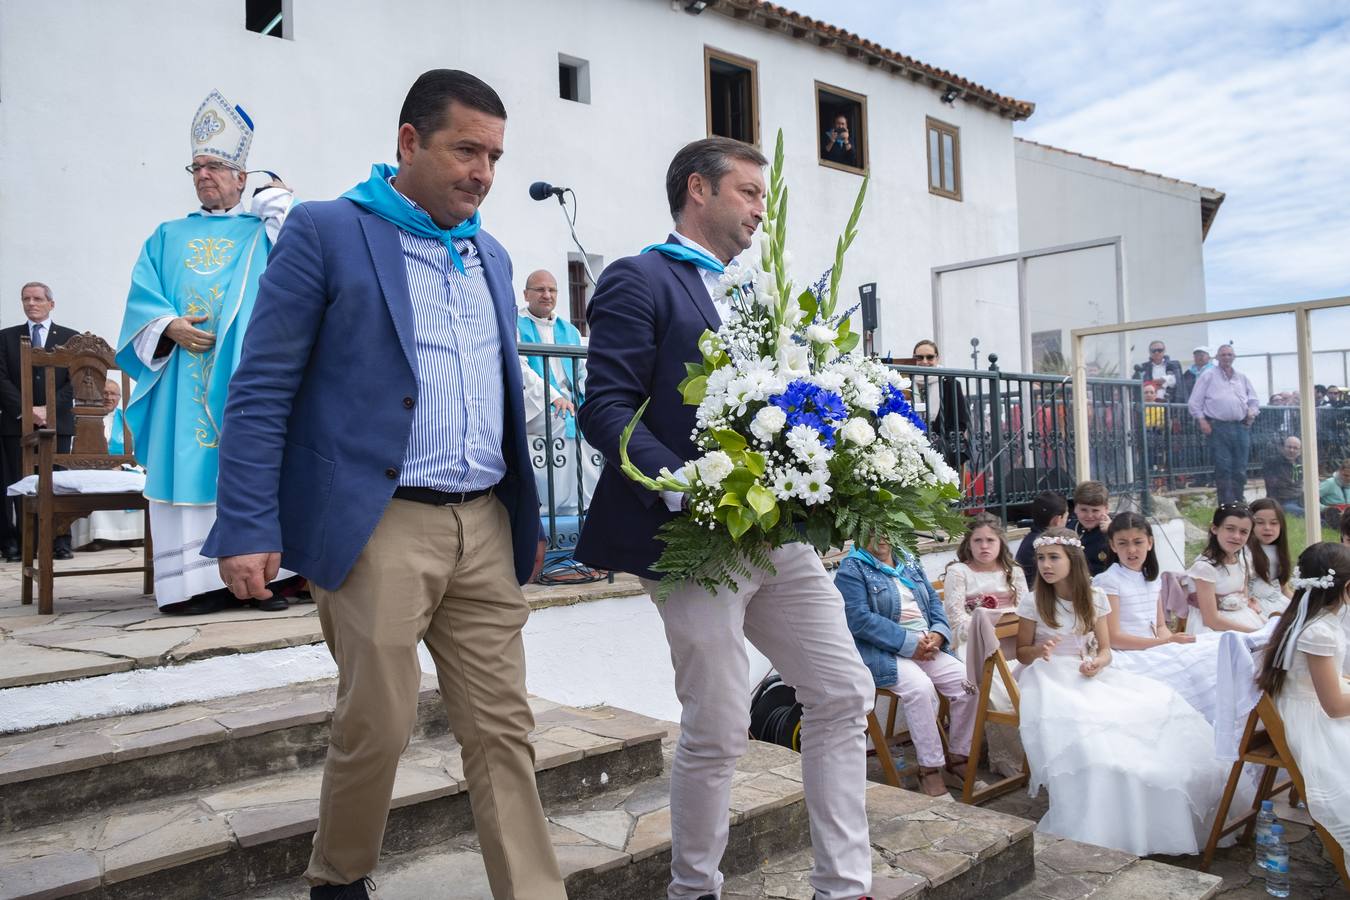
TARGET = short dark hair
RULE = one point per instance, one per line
(1047, 506)
(427, 106)
(1091, 493)
(710, 158)
(930, 342)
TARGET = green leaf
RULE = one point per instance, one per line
(846, 343)
(739, 521)
(807, 301)
(754, 462)
(693, 390)
(769, 519)
(884, 496)
(726, 438)
(730, 499)
(693, 369)
(739, 481)
(761, 499)
(820, 532)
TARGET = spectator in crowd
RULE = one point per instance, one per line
(1048, 510)
(56, 410)
(1283, 473)
(1335, 494)
(1224, 403)
(838, 146)
(1201, 363)
(1163, 371)
(1337, 397)
(1155, 422)
(1319, 395)
(1091, 518)
(539, 324)
(946, 409)
(191, 299)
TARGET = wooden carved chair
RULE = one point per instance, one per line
(1264, 744)
(87, 358)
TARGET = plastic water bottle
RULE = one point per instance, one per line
(1277, 863)
(1264, 820)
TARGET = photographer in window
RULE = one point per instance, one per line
(838, 146)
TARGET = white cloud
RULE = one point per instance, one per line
(1249, 97)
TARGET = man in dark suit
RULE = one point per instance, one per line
(374, 441)
(646, 317)
(43, 332)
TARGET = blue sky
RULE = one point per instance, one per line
(1251, 98)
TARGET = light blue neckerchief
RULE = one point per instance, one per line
(681, 253)
(378, 195)
(896, 573)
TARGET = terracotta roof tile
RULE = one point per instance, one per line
(771, 15)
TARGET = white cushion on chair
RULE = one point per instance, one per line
(83, 481)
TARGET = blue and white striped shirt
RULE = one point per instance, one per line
(456, 439)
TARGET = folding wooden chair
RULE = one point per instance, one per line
(1264, 744)
(985, 713)
(886, 741)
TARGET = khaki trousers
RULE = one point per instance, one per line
(443, 575)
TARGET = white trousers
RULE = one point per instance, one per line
(918, 684)
(795, 617)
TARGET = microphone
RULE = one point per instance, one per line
(542, 190)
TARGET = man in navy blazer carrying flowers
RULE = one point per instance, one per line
(646, 318)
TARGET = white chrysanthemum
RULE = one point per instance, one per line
(865, 394)
(815, 488)
(896, 379)
(799, 436)
(883, 460)
(857, 431)
(830, 380)
(821, 333)
(713, 468)
(767, 423)
(944, 473)
(788, 483)
(897, 429)
(815, 455)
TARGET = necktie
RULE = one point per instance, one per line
(37, 335)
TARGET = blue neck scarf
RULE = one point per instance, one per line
(378, 195)
(893, 571)
(681, 253)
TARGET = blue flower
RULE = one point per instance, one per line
(893, 401)
(807, 404)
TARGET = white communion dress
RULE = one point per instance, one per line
(1321, 744)
(1268, 593)
(1129, 764)
(1231, 584)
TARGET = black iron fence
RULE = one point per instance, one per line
(1011, 435)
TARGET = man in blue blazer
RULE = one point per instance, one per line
(645, 320)
(374, 441)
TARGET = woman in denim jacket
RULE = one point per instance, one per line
(901, 631)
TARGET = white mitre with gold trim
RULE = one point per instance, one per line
(222, 131)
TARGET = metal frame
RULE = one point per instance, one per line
(1023, 308)
(1307, 407)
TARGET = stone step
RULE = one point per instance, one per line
(96, 764)
(616, 845)
(201, 842)
(1068, 870)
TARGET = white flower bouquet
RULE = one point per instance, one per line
(801, 438)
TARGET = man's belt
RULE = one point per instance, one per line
(440, 498)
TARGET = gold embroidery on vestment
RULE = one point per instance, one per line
(209, 255)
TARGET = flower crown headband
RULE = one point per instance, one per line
(1044, 541)
(1284, 653)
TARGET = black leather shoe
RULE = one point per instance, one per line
(62, 553)
(274, 603)
(200, 605)
(357, 890)
(12, 553)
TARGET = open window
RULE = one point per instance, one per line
(944, 159)
(269, 17)
(841, 119)
(731, 84)
(574, 79)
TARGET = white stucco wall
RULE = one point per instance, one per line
(96, 100)
(1065, 198)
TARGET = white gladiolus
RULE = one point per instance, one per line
(820, 333)
(767, 423)
(714, 467)
(794, 359)
(858, 431)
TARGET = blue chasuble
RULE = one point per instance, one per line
(115, 435)
(564, 333)
(197, 266)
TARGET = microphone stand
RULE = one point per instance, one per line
(571, 226)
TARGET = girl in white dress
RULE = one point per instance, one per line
(1222, 573)
(983, 574)
(1269, 550)
(1303, 675)
(1129, 763)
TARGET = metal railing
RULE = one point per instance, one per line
(1011, 435)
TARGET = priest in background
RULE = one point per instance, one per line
(191, 298)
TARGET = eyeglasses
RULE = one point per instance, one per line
(212, 167)
(927, 357)
(1156, 349)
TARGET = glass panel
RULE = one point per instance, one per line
(948, 164)
(934, 160)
